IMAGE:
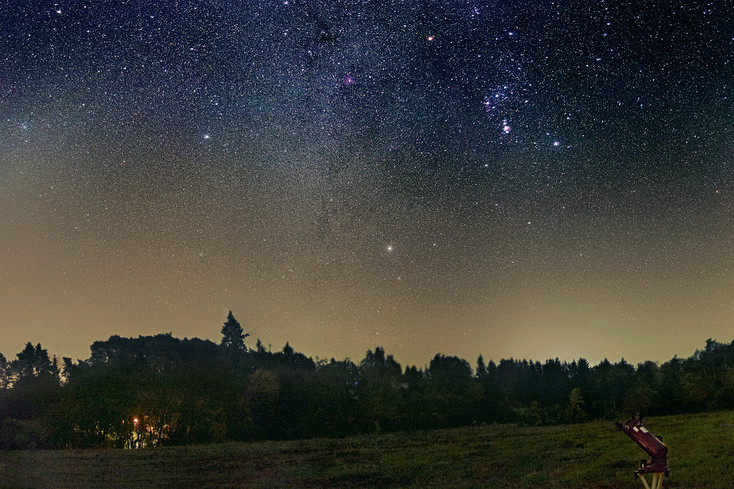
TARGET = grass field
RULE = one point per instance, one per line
(591, 455)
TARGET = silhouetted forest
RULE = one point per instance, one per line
(160, 390)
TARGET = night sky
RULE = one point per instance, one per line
(527, 179)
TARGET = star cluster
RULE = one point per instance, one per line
(507, 178)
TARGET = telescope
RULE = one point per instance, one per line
(654, 446)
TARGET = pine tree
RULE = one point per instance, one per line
(481, 368)
(4, 373)
(33, 362)
(232, 334)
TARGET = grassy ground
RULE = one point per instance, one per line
(593, 455)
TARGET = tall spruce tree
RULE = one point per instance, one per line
(481, 368)
(233, 335)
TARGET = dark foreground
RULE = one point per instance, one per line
(591, 455)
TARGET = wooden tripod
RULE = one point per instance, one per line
(657, 480)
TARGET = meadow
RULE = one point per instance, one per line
(589, 455)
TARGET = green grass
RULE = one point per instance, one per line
(593, 455)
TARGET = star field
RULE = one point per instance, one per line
(507, 178)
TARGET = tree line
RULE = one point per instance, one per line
(160, 390)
